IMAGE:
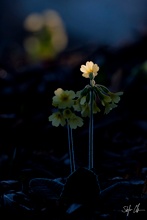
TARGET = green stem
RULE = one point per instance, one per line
(71, 149)
(91, 131)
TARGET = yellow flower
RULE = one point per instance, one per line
(80, 100)
(77, 106)
(82, 104)
(75, 121)
(115, 96)
(90, 70)
(85, 110)
(67, 113)
(109, 107)
(105, 99)
(63, 99)
(95, 108)
(57, 118)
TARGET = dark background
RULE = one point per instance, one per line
(112, 34)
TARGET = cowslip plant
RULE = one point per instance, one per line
(90, 100)
(64, 114)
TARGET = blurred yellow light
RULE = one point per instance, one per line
(34, 22)
(52, 19)
(59, 40)
(56, 27)
(49, 36)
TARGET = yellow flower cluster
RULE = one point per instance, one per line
(64, 101)
(68, 101)
(101, 94)
(82, 103)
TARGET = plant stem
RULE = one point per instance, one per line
(91, 131)
(71, 149)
